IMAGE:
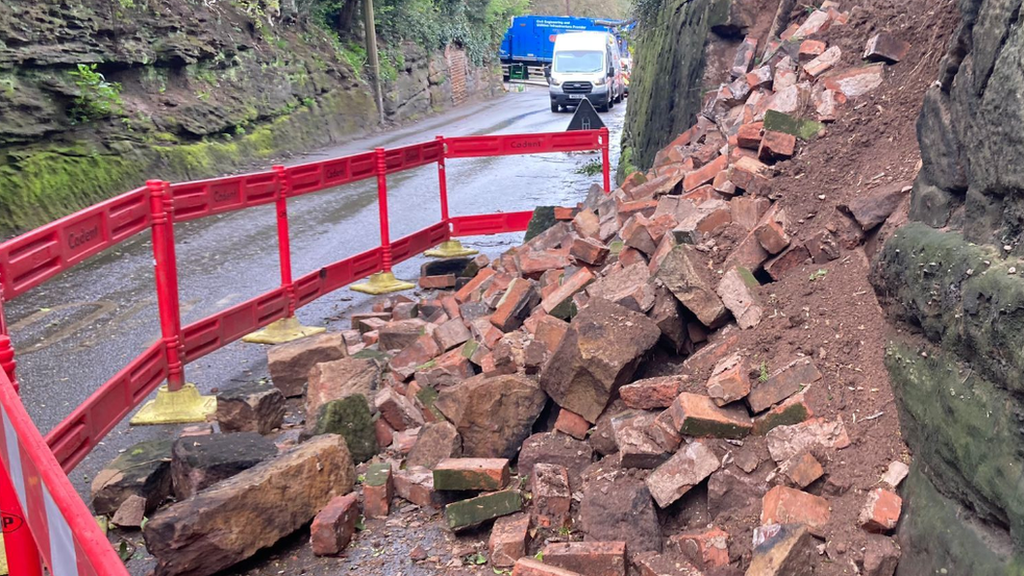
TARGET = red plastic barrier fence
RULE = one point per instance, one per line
(33, 258)
(29, 260)
(46, 517)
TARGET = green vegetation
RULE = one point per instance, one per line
(97, 98)
(477, 25)
(591, 168)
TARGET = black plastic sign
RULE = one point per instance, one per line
(585, 118)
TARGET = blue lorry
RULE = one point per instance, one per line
(530, 40)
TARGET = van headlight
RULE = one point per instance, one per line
(600, 81)
(554, 81)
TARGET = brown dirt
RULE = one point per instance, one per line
(836, 318)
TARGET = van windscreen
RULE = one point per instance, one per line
(569, 61)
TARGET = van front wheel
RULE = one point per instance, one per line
(554, 106)
(606, 105)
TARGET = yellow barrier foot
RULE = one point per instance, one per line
(181, 407)
(451, 249)
(281, 331)
(383, 283)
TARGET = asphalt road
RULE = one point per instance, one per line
(79, 329)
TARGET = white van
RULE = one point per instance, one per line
(585, 65)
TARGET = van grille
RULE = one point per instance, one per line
(577, 87)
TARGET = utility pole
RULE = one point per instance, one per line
(568, 10)
(371, 51)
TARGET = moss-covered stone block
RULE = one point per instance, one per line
(804, 129)
(965, 430)
(377, 474)
(475, 511)
(542, 219)
(351, 418)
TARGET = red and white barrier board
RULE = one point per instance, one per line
(64, 532)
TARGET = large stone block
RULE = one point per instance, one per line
(290, 363)
(493, 415)
(253, 510)
(600, 352)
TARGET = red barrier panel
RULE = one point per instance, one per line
(76, 435)
(218, 330)
(491, 223)
(406, 157)
(65, 533)
(508, 144)
(34, 257)
(316, 176)
(192, 200)
(337, 275)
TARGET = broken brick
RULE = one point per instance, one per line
(776, 146)
(749, 135)
(586, 224)
(800, 471)
(589, 251)
(771, 232)
(378, 489)
(684, 470)
(475, 511)
(705, 174)
(530, 567)
(729, 381)
(559, 302)
(451, 334)
(737, 293)
(696, 415)
(571, 423)
(709, 548)
(857, 81)
(784, 505)
(472, 290)
(788, 260)
(509, 538)
(886, 47)
(782, 384)
(793, 410)
(334, 525)
(515, 305)
(651, 393)
(784, 442)
(811, 49)
(552, 497)
(590, 558)
(442, 282)
(881, 512)
(406, 362)
(471, 474)
(398, 410)
(823, 62)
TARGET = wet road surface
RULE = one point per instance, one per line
(79, 329)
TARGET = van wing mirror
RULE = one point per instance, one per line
(547, 70)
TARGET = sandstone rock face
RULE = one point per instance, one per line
(48, 41)
(600, 351)
(250, 511)
(493, 415)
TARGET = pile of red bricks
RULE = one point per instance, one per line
(565, 324)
